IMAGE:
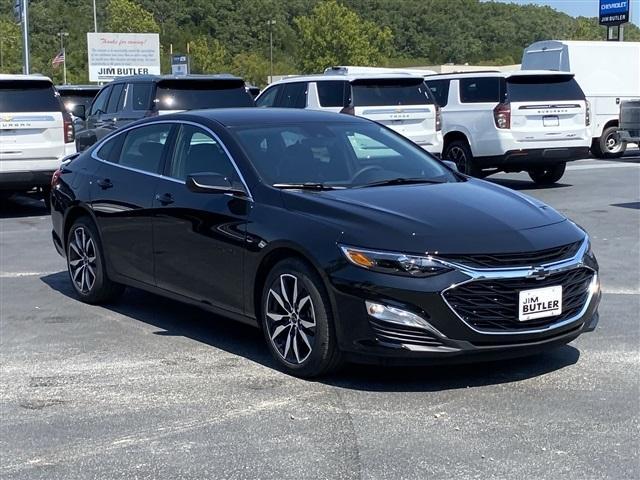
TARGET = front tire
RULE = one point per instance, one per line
(548, 175)
(609, 144)
(86, 265)
(297, 320)
(459, 152)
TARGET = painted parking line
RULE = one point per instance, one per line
(606, 165)
(27, 274)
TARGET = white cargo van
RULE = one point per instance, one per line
(36, 133)
(608, 72)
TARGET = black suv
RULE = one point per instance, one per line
(78, 98)
(128, 99)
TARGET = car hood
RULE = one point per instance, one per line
(471, 216)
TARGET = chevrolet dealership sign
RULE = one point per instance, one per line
(614, 12)
(113, 55)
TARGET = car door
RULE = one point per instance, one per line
(199, 238)
(122, 197)
(109, 120)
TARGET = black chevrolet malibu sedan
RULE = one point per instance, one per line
(336, 236)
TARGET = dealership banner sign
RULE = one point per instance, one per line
(614, 12)
(113, 55)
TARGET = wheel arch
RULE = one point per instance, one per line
(453, 136)
(72, 214)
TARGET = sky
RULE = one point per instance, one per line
(577, 8)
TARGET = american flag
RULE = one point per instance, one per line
(58, 59)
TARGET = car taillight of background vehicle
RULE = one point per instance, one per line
(587, 114)
(502, 115)
(55, 178)
(69, 132)
(438, 119)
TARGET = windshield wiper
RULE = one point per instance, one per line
(306, 186)
(401, 181)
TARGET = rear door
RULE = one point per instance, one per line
(546, 108)
(403, 104)
(31, 124)
(177, 95)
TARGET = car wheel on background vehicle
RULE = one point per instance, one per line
(547, 175)
(459, 152)
(609, 144)
(85, 263)
(297, 320)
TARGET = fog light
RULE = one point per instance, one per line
(395, 315)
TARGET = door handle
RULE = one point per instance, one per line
(104, 183)
(165, 198)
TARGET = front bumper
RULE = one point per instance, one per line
(451, 338)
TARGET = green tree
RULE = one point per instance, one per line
(335, 35)
(126, 16)
(252, 67)
(208, 55)
(10, 47)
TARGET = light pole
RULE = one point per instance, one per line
(95, 18)
(64, 56)
(271, 23)
(25, 37)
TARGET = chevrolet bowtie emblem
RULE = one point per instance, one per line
(539, 273)
(7, 119)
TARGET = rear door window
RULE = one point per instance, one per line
(100, 103)
(536, 88)
(28, 96)
(269, 97)
(440, 91)
(332, 93)
(294, 95)
(116, 100)
(196, 94)
(140, 96)
(394, 91)
(480, 90)
(144, 147)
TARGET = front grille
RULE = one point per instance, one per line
(403, 335)
(519, 259)
(492, 305)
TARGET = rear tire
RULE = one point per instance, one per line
(609, 144)
(86, 265)
(459, 152)
(297, 320)
(547, 175)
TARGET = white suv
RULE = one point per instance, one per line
(401, 102)
(512, 121)
(36, 133)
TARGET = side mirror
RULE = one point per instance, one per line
(79, 111)
(212, 183)
(451, 165)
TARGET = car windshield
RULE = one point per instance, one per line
(28, 96)
(196, 94)
(342, 155)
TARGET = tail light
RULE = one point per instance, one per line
(502, 115)
(349, 110)
(56, 177)
(438, 119)
(587, 114)
(67, 126)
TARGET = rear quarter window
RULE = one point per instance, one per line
(480, 90)
(332, 93)
(382, 92)
(28, 96)
(543, 88)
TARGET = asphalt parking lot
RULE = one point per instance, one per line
(150, 388)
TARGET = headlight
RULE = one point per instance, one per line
(394, 263)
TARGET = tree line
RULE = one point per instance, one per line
(308, 35)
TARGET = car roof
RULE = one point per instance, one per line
(496, 73)
(76, 88)
(7, 76)
(158, 78)
(346, 77)
(233, 117)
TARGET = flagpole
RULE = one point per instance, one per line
(64, 56)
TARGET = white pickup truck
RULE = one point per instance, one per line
(36, 133)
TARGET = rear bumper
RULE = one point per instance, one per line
(25, 180)
(631, 136)
(516, 160)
